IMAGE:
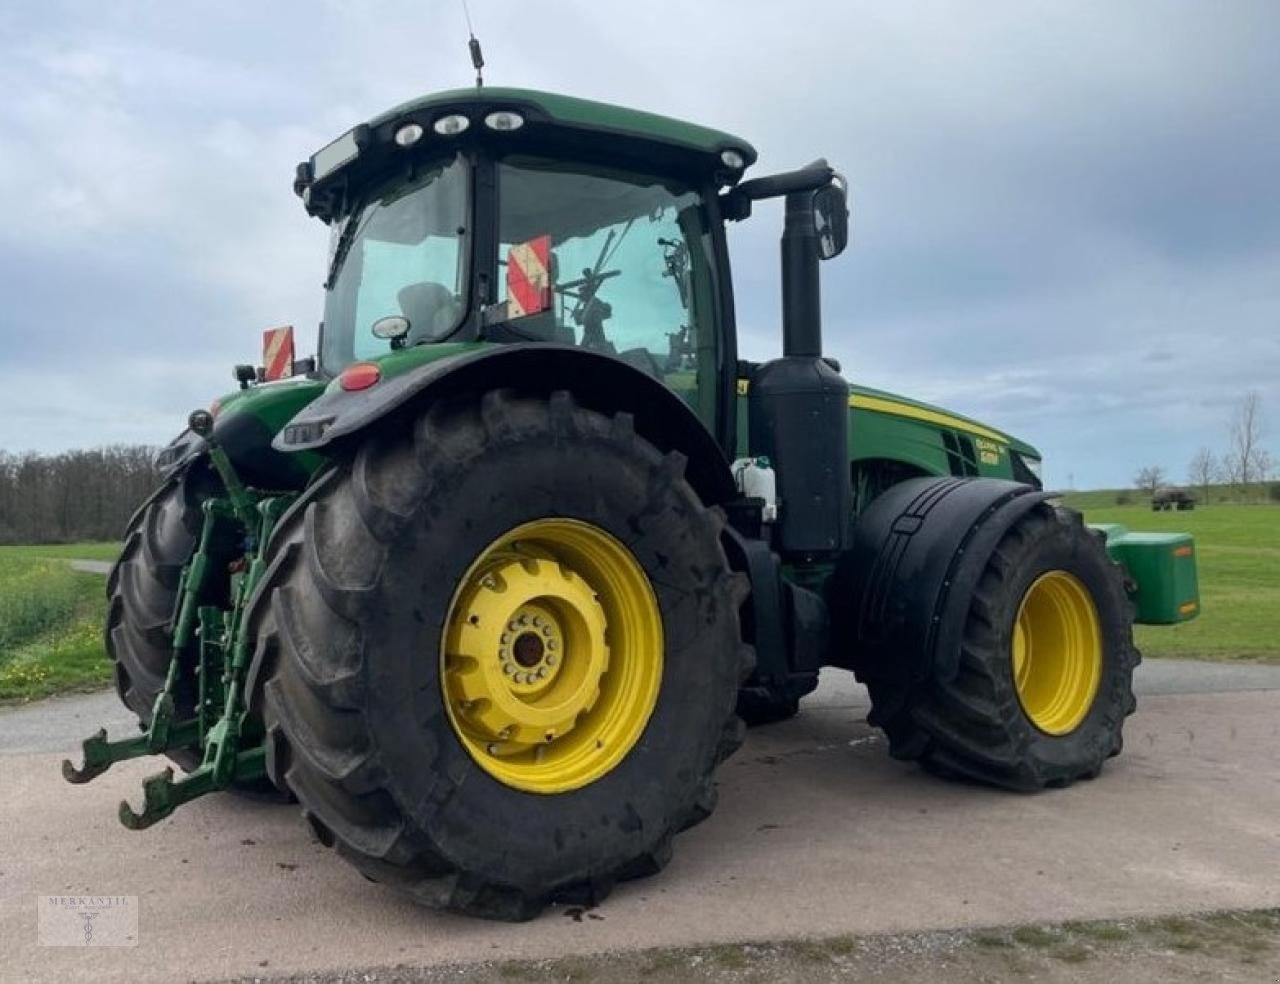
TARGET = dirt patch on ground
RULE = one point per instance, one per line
(1224, 946)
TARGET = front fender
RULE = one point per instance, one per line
(900, 593)
(599, 382)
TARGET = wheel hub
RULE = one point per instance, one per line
(528, 650)
(533, 636)
(506, 673)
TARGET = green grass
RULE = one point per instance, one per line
(51, 622)
(1238, 561)
(67, 551)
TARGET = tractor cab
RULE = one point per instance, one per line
(611, 261)
(510, 216)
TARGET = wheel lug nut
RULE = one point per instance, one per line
(551, 645)
(506, 637)
(508, 669)
(537, 620)
(551, 659)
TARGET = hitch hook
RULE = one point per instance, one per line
(161, 796)
(97, 759)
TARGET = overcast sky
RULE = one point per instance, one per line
(1066, 216)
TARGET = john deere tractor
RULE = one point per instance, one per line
(491, 585)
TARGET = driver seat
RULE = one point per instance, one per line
(431, 308)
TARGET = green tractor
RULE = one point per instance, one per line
(491, 586)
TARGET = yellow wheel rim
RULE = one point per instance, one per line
(552, 656)
(1057, 652)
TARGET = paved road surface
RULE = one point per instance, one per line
(91, 566)
(818, 832)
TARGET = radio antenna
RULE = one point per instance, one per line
(477, 56)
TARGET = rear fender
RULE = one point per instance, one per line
(596, 381)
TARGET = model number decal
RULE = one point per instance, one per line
(988, 451)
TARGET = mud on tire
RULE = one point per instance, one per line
(348, 626)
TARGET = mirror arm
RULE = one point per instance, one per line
(735, 204)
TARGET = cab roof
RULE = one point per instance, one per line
(553, 124)
(570, 111)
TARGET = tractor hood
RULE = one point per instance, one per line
(881, 401)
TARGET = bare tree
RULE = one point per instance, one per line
(1245, 460)
(74, 495)
(1149, 478)
(1202, 471)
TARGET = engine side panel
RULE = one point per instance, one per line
(921, 439)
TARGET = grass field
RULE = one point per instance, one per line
(1238, 560)
(51, 621)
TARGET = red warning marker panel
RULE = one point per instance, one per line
(529, 277)
(277, 353)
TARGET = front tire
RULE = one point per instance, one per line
(375, 703)
(142, 590)
(1045, 678)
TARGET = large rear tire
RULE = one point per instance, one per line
(1045, 678)
(384, 715)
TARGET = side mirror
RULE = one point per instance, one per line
(393, 328)
(831, 220)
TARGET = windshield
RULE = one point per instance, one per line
(403, 253)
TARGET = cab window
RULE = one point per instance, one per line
(402, 253)
(628, 275)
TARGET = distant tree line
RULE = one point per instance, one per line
(75, 495)
(1242, 466)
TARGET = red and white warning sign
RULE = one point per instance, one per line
(529, 277)
(277, 353)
